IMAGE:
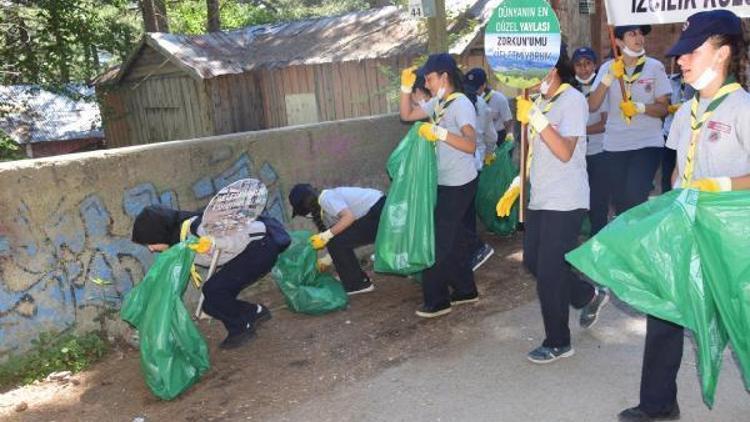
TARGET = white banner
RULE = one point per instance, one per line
(651, 12)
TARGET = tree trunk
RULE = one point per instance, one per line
(154, 15)
(213, 23)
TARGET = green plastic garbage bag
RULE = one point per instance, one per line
(405, 242)
(174, 355)
(682, 257)
(305, 289)
(493, 182)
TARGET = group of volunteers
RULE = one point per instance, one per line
(596, 139)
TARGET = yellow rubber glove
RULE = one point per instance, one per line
(509, 198)
(712, 184)
(204, 244)
(537, 119)
(324, 263)
(616, 71)
(408, 77)
(631, 109)
(432, 133)
(320, 240)
(489, 158)
(509, 138)
(672, 108)
(523, 107)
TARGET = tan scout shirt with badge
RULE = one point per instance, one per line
(643, 131)
(724, 142)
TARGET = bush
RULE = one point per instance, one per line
(51, 353)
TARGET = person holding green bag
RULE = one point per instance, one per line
(347, 217)
(711, 134)
(559, 200)
(453, 128)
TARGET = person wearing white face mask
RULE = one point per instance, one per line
(633, 142)
(711, 134)
(584, 64)
(453, 127)
(559, 199)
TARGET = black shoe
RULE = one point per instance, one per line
(636, 414)
(236, 340)
(464, 299)
(365, 286)
(433, 312)
(481, 256)
(262, 314)
(590, 312)
(543, 355)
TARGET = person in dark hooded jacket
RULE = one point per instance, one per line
(244, 259)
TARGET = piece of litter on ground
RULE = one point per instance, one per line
(20, 407)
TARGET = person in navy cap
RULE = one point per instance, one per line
(502, 118)
(712, 54)
(585, 67)
(633, 141)
(453, 127)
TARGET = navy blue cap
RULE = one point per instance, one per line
(621, 30)
(702, 25)
(298, 197)
(442, 62)
(476, 77)
(584, 53)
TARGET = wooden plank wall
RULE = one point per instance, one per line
(236, 103)
(342, 90)
(149, 63)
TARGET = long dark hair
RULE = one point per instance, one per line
(564, 67)
(739, 60)
(311, 206)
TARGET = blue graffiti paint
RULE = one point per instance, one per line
(4, 246)
(203, 188)
(241, 169)
(136, 199)
(168, 199)
(268, 174)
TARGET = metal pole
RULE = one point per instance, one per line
(211, 270)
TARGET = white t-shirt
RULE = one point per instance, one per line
(555, 185)
(486, 134)
(358, 200)
(723, 148)
(680, 93)
(455, 167)
(643, 131)
(500, 110)
(595, 142)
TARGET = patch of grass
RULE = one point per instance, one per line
(51, 353)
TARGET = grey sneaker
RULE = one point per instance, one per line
(542, 355)
(590, 312)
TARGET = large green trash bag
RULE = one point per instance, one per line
(174, 354)
(683, 257)
(305, 289)
(405, 242)
(493, 182)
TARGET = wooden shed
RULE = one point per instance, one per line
(180, 87)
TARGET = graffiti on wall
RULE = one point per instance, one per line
(57, 263)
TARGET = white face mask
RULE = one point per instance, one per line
(705, 79)
(631, 53)
(586, 81)
(441, 92)
(544, 87)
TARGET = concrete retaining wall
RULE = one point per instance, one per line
(65, 221)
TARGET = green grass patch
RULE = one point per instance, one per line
(51, 353)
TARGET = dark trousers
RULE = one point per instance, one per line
(341, 247)
(661, 361)
(222, 288)
(596, 166)
(668, 162)
(470, 221)
(548, 236)
(631, 176)
(452, 237)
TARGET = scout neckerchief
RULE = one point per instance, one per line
(487, 95)
(184, 231)
(442, 106)
(545, 110)
(696, 124)
(631, 79)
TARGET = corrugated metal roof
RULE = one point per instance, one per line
(31, 114)
(376, 33)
